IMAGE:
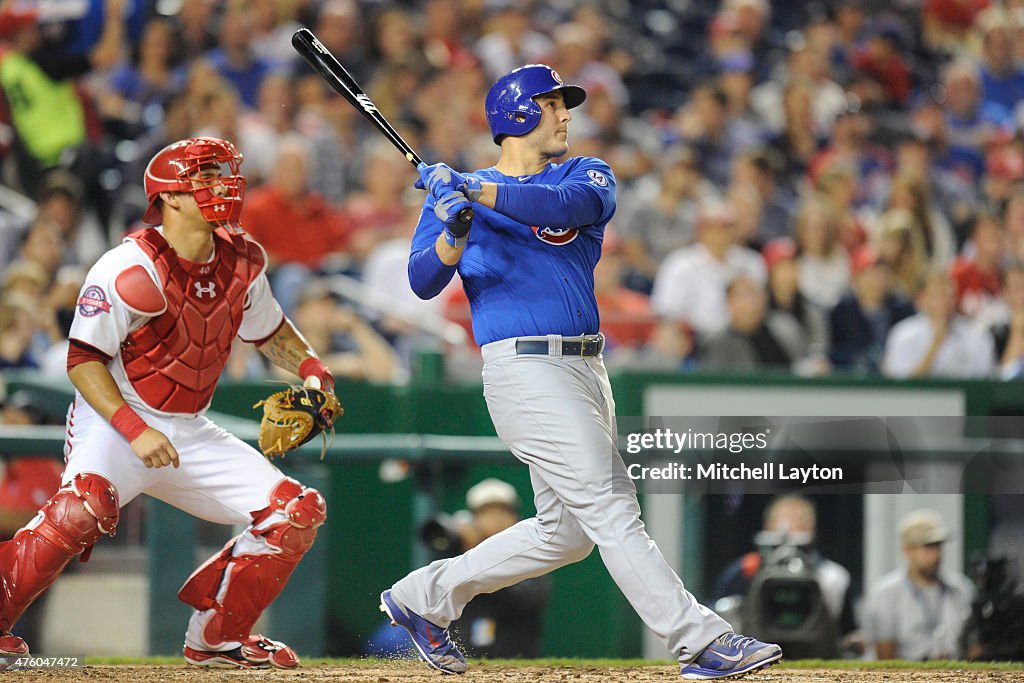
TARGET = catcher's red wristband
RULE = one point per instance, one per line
(313, 367)
(128, 423)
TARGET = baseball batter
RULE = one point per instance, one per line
(151, 335)
(528, 269)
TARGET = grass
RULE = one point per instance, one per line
(837, 664)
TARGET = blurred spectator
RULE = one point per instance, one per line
(659, 214)
(377, 214)
(978, 286)
(705, 124)
(763, 170)
(936, 234)
(133, 97)
(785, 298)
(746, 203)
(46, 110)
(234, 57)
(294, 224)
(626, 318)
(755, 338)
(196, 22)
(509, 41)
(823, 264)
(1009, 335)
(273, 26)
(1004, 170)
(669, 348)
(57, 313)
(796, 141)
(837, 188)
(881, 61)
(918, 612)
(690, 284)
(223, 117)
(340, 27)
(807, 69)
(330, 125)
(1013, 223)
(973, 123)
(578, 59)
(947, 23)
(1002, 79)
(61, 202)
(937, 342)
(17, 327)
(852, 154)
(948, 197)
(860, 322)
(41, 244)
(901, 246)
(346, 343)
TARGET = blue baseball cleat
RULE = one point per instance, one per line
(729, 655)
(432, 642)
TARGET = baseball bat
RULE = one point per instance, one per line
(338, 77)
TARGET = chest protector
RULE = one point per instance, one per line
(175, 359)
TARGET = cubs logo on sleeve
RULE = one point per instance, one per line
(598, 178)
(93, 301)
(556, 236)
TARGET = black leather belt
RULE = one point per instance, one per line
(591, 345)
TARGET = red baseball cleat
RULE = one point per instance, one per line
(12, 645)
(257, 652)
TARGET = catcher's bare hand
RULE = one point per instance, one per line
(154, 449)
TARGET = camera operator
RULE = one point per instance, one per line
(791, 520)
(918, 613)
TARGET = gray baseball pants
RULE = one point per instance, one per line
(557, 415)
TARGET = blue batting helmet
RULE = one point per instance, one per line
(510, 107)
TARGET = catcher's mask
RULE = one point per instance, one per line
(184, 166)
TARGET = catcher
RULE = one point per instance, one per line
(152, 332)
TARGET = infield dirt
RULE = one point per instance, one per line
(413, 672)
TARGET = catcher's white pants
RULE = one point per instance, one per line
(557, 415)
(221, 478)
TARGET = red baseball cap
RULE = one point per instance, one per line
(779, 249)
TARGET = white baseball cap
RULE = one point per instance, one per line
(492, 491)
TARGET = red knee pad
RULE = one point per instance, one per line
(255, 580)
(73, 520)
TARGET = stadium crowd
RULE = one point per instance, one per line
(816, 187)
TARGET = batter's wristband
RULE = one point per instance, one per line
(313, 367)
(128, 423)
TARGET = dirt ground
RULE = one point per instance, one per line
(410, 672)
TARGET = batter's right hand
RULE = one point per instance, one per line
(154, 449)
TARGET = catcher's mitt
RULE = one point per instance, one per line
(294, 416)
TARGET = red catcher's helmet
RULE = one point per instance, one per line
(176, 168)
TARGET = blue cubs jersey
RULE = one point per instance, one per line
(532, 275)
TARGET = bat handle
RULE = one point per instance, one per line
(466, 215)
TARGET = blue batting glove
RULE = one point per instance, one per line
(471, 188)
(447, 209)
(439, 179)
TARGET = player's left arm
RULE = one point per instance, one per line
(289, 350)
(265, 326)
(586, 196)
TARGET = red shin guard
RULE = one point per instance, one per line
(73, 520)
(254, 580)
